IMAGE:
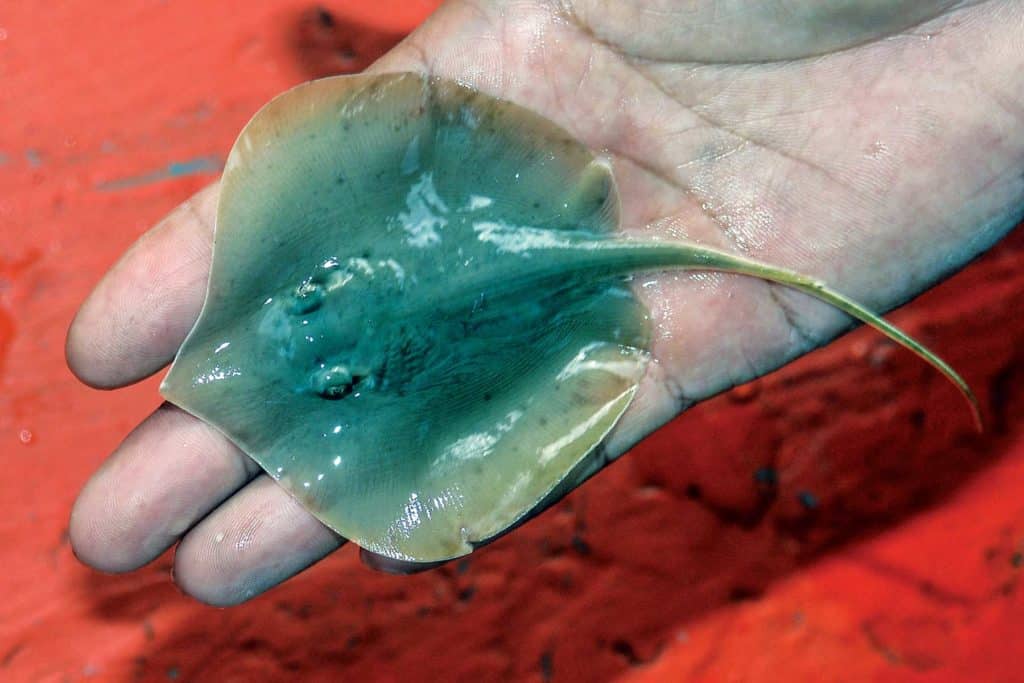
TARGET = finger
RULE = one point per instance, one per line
(137, 316)
(255, 540)
(166, 476)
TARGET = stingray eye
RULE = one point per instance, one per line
(334, 382)
(306, 298)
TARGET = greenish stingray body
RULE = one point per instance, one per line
(419, 319)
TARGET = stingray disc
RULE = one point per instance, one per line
(391, 329)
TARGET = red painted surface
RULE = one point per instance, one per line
(837, 520)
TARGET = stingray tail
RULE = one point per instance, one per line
(692, 257)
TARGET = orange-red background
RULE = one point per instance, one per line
(836, 521)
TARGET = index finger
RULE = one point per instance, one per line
(135, 319)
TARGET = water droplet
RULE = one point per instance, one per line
(25, 436)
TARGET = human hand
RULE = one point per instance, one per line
(875, 145)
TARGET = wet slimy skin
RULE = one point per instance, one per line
(419, 318)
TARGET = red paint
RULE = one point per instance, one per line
(904, 567)
(938, 598)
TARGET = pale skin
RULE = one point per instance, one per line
(875, 144)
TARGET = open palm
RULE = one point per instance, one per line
(875, 144)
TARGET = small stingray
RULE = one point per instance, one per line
(419, 319)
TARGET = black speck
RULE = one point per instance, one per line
(807, 499)
(743, 594)
(325, 18)
(487, 396)
(11, 654)
(253, 644)
(624, 649)
(340, 180)
(467, 593)
(766, 476)
(1017, 559)
(580, 546)
(693, 491)
(547, 666)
